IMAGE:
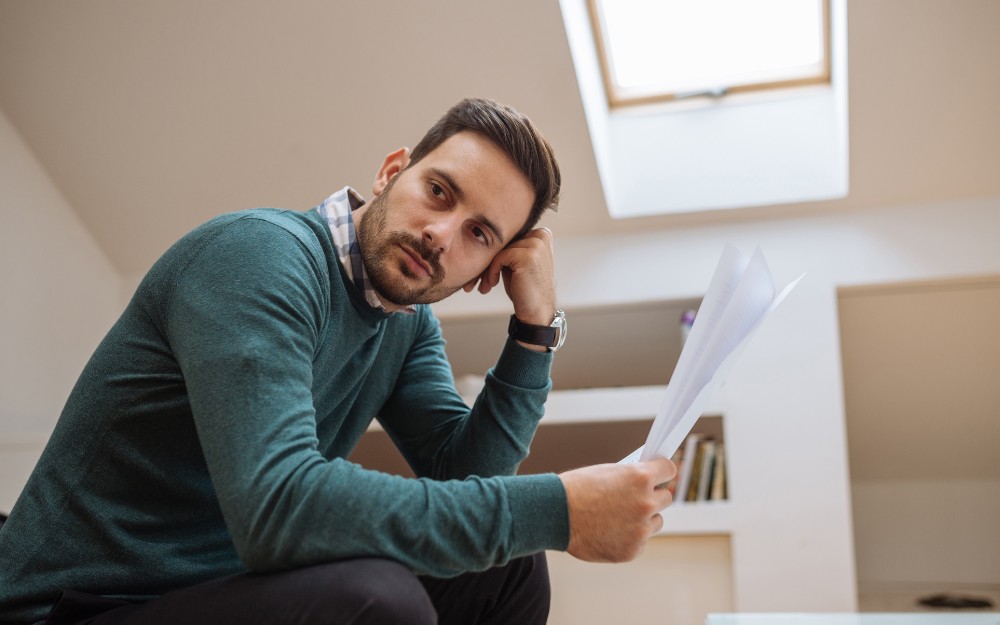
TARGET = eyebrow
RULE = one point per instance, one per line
(457, 189)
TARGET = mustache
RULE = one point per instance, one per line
(423, 249)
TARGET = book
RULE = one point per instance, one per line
(691, 494)
(718, 488)
(684, 471)
(707, 470)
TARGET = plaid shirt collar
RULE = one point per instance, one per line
(338, 210)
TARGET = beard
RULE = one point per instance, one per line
(391, 279)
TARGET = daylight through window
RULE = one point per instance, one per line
(656, 50)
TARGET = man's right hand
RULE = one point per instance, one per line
(615, 508)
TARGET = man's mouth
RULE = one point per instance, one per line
(416, 262)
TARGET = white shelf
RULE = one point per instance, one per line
(624, 403)
(603, 404)
(702, 517)
(590, 405)
(608, 405)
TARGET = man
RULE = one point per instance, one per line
(197, 473)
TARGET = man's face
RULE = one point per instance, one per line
(433, 227)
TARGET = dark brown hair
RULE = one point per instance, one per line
(513, 133)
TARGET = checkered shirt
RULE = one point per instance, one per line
(337, 210)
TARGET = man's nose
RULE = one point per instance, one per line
(440, 232)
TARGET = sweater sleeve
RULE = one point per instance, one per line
(243, 317)
(439, 435)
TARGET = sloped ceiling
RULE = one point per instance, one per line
(154, 116)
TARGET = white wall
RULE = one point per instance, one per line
(60, 295)
(676, 580)
(921, 361)
(784, 401)
(923, 533)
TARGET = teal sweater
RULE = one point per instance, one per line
(207, 434)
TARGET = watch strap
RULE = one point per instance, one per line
(546, 336)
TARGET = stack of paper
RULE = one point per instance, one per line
(741, 295)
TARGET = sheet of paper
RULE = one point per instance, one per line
(740, 296)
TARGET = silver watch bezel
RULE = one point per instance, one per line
(562, 329)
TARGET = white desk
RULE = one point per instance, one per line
(872, 618)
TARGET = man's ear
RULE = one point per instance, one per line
(394, 163)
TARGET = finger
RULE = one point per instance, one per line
(505, 273)
(485, 284)
(663, 498)
(540, 241)
(491, 276)
(539, 233)
(664, 469)
(656, 522)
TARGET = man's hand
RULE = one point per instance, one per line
(527, 266)
(615, 508)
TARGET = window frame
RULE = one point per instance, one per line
(617, 99)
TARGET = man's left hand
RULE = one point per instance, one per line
(528, 269)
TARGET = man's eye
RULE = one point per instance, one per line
(437, 190)
(480, 234)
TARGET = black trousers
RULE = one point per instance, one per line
(367, 591)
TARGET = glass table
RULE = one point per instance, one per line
(863, 618)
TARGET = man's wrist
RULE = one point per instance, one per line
(535, 318)
(522, 367)
(549, 336)
(533, 347)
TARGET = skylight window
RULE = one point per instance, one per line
(655, 50)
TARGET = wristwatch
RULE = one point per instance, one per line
(551, 336)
